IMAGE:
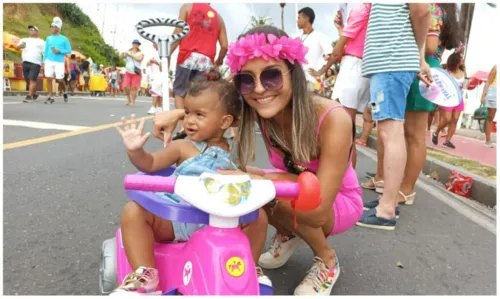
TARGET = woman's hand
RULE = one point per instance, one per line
(314, 73)
(483, 100)
(132, 135)
(164, 124)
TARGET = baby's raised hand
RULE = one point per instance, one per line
(132, 134)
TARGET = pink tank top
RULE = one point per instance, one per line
(350, 180)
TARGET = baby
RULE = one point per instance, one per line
(212, 105)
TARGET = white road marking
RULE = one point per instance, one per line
(124, 100)
(39, 125)
(11, 103)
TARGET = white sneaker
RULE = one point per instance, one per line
(280, 250)
(489, 144)
(158, 109)
(319, 280)
(263, 279)
(152, 110)
(142, 281)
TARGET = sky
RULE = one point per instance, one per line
(122, 18)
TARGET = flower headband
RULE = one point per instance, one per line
(255, 45)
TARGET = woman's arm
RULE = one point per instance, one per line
(491, 78)
(335, 144)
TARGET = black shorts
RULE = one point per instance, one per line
(183, 79)
(30, 71)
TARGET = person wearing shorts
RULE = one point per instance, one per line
(57, 46)
(155, 78)
(391, 71)
(32, 52)
(198, 49)
(351, 89)
(489, 98)
(133, 77)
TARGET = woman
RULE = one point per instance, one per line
(489, 98)
(75, 70)
(329, 82)
(132, 79)
(443, 33)
(113, 80)
(86, 75)
(450, 115)
(275, 96)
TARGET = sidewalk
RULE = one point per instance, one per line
(469, 145)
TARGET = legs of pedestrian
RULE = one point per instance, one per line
(444, 122)
(489, 126)
(50, 81)
(133, 95)
(414, 126)
(127, 92)
(452, 127)
(367, 127)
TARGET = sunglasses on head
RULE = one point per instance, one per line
(271, 79)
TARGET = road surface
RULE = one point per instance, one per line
(63, 197)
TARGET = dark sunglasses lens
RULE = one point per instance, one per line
(271, 79)
(244, 83)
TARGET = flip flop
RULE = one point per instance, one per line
(374, 187)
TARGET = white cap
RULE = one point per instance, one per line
(57, 22)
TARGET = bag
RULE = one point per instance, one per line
(481, 112)
(113, 81)
(459, 184)
(137, 70)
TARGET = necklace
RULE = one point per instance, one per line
(303, 40)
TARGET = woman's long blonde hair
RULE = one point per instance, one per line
(303, 146)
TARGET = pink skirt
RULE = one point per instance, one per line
(460, 107)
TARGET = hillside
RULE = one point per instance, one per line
(77, 27)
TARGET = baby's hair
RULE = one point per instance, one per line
(228, 94)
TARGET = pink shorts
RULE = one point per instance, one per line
(459, 107)
(132, 80)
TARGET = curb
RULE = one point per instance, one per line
(483, 190)
(16, 93)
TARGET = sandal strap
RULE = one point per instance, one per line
(406, 197)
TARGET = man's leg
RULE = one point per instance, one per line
(388, 92)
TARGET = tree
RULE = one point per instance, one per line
(260, 21)
(282, 5)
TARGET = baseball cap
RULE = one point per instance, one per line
(33, 27)
(56, 22)
(136, 41)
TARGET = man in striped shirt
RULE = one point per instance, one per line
(393, 55)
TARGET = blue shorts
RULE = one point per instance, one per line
(388, 92)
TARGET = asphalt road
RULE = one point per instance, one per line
(63, 198)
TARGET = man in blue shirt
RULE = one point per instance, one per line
(56, 48)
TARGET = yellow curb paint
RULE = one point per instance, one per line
(63, 135)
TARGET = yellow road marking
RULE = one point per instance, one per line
(62, 135)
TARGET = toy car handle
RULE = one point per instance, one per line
(304, 193)
(163, 43)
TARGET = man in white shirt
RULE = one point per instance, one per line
(155, 79)
(319, 44)
(32, 53)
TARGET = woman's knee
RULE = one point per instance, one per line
(491, 114)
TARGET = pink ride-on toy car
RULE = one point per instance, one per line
(217, 260)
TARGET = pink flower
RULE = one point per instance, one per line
(255, 46)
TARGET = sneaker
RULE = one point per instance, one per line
(158, 110)
(28, 99)
(319, 280)
(262, 278)
(152, 110)
(449, 144)
(374, 203)
(49, 100)
(141, 281)
(434, 139)
(35, 97)
(65, 95)
(370, 219)
(489, 144)
(280, 250)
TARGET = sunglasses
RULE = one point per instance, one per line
(271, 79)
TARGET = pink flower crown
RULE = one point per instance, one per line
(255, 45)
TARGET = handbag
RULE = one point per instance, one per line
(481, 112)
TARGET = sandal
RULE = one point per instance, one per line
(360, 142)
(371, 184)
(408, 199)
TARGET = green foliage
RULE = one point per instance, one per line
(260, 21)
(77, 27)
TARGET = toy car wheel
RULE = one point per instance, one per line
(107, 267)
